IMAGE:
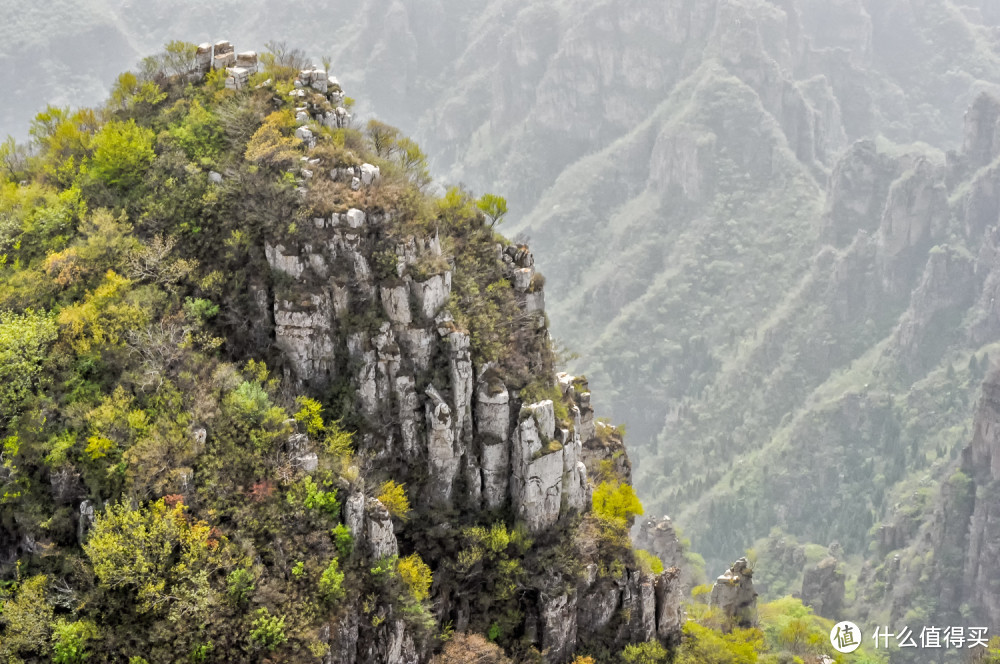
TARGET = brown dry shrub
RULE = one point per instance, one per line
(471, 649)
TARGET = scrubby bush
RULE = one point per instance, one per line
(24, 343)
(392, 495)
(416, 575)
(267, 632)
(70, 639)
(616, 501)
(648, 562)
(331, 582)
(465, 648)
(123, 151)
(343, 540)
(240, 585)
(651, 652)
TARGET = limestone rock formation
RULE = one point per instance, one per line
(467, 441)
(823, 587)
(733, 594)
(659, 538)
(858, 188)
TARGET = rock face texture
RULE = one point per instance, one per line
(967, 537)
(823, 588)
(734, 596)
(961, 535)
(352, 312)
(659, 538)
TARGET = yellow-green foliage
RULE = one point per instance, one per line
(992, 654)
(310, 415)
(651, 652)
(331, 582)
(393, 496)
(339, 442)
(495, 552)
(70, 639)
(417, 576)
(122, 153)
(129, 92)
(65, 140)
(702, 645)
(788, 631)
(648, 561)
(199, 134)
(790, 626)
(267, 632)
(616, 501)
(26, 619)
(157, 553)
(24, 342)
(312, 497)
(105, 316)
(270, 144)
(494, 207)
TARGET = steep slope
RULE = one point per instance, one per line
(756, 293)
(265, 399)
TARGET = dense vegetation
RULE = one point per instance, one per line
(150, 509)
(153, 508)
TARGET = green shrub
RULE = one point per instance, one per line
(267, 632)
(27, 618)
(701, 645)
(648, 562)
(616, 501)
(69, 641)
(123, 152)
(240, 585)
(200, 653)
(651, 652)
(200, 310)
(310, 415)
(331, 582)
(416, 575)
(24, 343)
(494, 207)
(393, 496)
(343, 540)
(310, 496)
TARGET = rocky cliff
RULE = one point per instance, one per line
(464, 440)
(321, 416)
(690, 140)
(368, 309)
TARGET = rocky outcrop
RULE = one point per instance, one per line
(913, 219)
(659, 538)
(548, 476)
(946, 289)
(559, 625)
(734, 596)
(981, 142)
(982, 457)
(653, 604)
(858, 189)
(823, 587)
(351, 308)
